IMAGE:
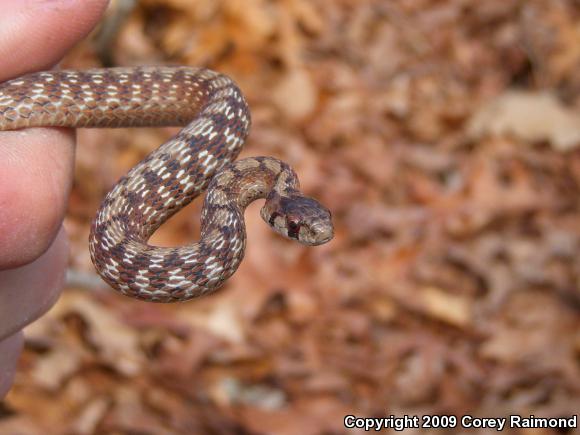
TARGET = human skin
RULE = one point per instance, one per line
(36, 168)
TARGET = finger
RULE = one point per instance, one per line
(36, 165)
(36, 34)
(27, 292)
(10, 349)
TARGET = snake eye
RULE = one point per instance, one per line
(293, 228)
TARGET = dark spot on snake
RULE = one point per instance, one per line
(293, 229)
(173, 165)
(151, 177)
(273, 218)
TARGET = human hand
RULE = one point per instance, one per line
(36, 168)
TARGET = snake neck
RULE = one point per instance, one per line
(241, 183)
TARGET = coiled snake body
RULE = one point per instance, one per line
(199, 157)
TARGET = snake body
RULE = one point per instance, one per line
(201, 156)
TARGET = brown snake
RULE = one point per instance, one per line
(199, 157)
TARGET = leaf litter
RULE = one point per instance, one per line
(443, 137)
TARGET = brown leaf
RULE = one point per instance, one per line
(530, 116)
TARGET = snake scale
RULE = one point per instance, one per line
(201, 156)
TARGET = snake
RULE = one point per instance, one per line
(200, 158)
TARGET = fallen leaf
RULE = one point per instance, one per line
(530, 116)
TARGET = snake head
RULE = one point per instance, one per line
(299, 218)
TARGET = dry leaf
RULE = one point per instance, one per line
(530, 116)
(295, 95)
(454, 309)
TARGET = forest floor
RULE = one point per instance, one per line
(443, 136)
